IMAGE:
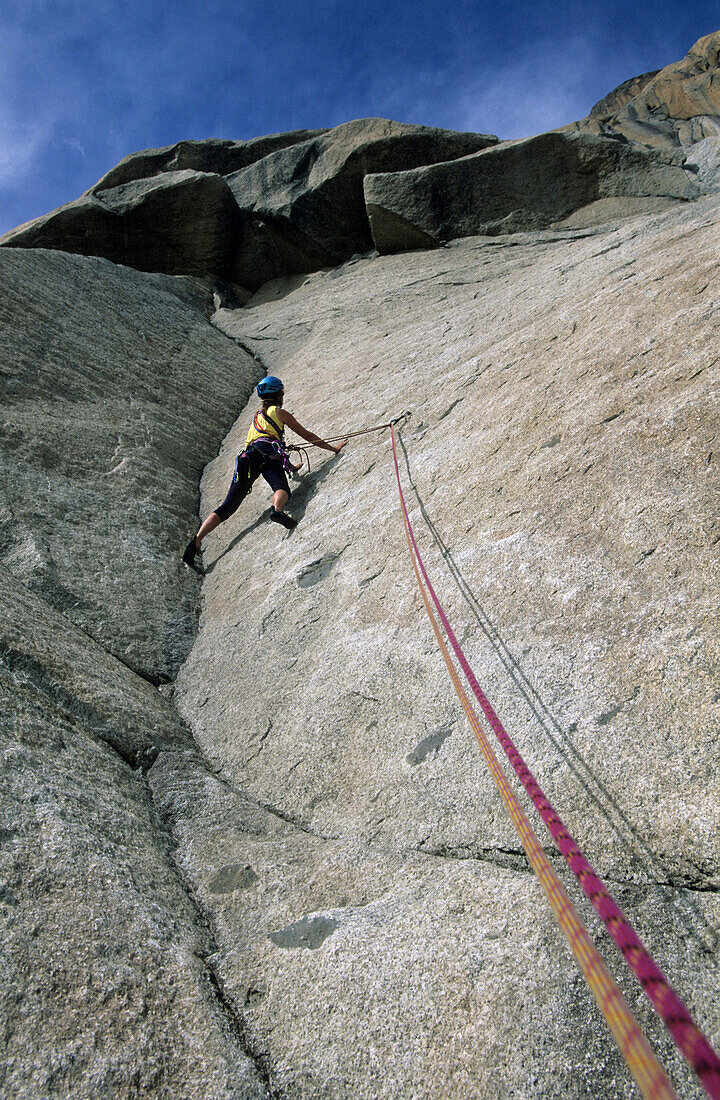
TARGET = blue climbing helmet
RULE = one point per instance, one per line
(270, 387)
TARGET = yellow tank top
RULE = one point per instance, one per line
(265, 425)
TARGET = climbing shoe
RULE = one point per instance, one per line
(283, 518)
(190, 553)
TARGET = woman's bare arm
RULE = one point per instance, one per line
(289, 421)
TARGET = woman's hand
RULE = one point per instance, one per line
(340, 446)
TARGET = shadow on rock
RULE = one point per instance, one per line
(307, 487)
(298, 503)
(231, 545)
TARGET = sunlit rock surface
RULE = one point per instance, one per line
(675, 106)
(248, 846)
(560, 463)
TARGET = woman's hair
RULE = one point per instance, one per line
(268, 402)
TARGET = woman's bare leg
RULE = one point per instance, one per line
(208, 525)
(280, 499)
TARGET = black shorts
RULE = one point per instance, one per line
(258, 458)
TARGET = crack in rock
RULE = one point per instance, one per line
(511, 859)
(225, 877)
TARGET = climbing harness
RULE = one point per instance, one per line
(269, 431)
(685, 1032)
(277, 430)
(303, 449)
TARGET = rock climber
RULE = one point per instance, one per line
(264, 454)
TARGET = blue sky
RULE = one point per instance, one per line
(84, 82)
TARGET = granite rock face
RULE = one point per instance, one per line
(516, 186)
(217, 156)
(108, 987)
(560, 466)
(54, 659)
(620, 96)
(677, 105)
(248, 847)
(312, 192)
(114, 388)
(180, 223)
(115, 391)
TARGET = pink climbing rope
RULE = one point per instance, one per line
(687, 1035)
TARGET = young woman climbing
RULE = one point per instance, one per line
(264, 454)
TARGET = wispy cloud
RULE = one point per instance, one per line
(543, 88)
(73, 143)
(20, 149)
(537, 86)
(533, 74)
(532, 85)
(82, 85)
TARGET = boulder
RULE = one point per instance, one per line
(215, 155)
(296, 207)
(115, 393)
(181, 223)
(523, 185)
(310, 195)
